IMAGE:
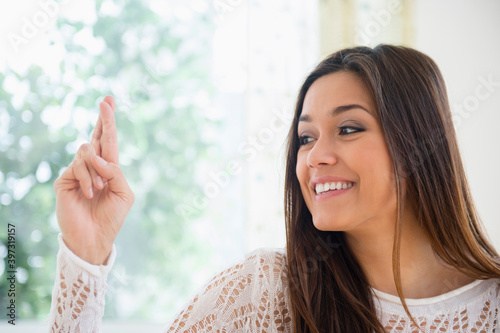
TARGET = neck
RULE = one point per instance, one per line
(423, 274)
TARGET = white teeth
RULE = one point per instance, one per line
(321, 188)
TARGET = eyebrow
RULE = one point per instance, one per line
(338, 110)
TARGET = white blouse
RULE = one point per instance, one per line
(252, 296)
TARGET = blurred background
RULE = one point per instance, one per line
(205, 91)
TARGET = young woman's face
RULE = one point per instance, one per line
(342, 145)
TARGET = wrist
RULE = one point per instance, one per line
(92, 258)
(90, 254)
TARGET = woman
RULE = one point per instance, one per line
(382, 233)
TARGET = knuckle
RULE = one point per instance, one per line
(77, 165)
(80, 171)
(114, 168)
(56, 184)
(131, 197)
(110, 139)
(86, 148)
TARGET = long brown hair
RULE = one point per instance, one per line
(328, 288)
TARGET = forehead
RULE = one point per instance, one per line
(337, 89)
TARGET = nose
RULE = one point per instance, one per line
(323, 153)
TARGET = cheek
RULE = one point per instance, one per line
(377, 175)
(302, 172)
(300, 168)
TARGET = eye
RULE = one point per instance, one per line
(304, 139)
(346, 130)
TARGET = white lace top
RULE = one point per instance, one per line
(252, 296)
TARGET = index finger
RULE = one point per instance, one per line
(109, 137)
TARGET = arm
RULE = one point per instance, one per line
(78, 295)
(92, 201)
(250, 296)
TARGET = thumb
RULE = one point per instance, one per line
(110, 171)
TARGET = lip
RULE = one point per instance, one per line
(330, 194)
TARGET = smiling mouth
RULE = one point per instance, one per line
(334, 186)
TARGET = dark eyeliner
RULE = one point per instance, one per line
(301, 138)
(356, 130)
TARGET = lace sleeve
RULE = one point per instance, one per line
(78, 295)
(250, 296)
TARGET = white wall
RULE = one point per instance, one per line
(463, 37)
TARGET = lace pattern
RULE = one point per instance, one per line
(252, 296)
(78, 295)
(247, 297)
(456, 322)
(472, 308)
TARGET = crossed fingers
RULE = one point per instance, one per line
(104, 138)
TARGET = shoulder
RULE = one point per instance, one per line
(268, 258)
(249, 294)
(262, 267)
(270, 264)
(495, 290)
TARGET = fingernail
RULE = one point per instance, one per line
(99, 182)
(91, 193)
(101, 162)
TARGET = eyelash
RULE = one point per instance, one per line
(341, 128)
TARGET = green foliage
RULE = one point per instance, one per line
(158, 70)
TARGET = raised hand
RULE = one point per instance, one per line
(92, 195)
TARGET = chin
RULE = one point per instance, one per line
(324, 224)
